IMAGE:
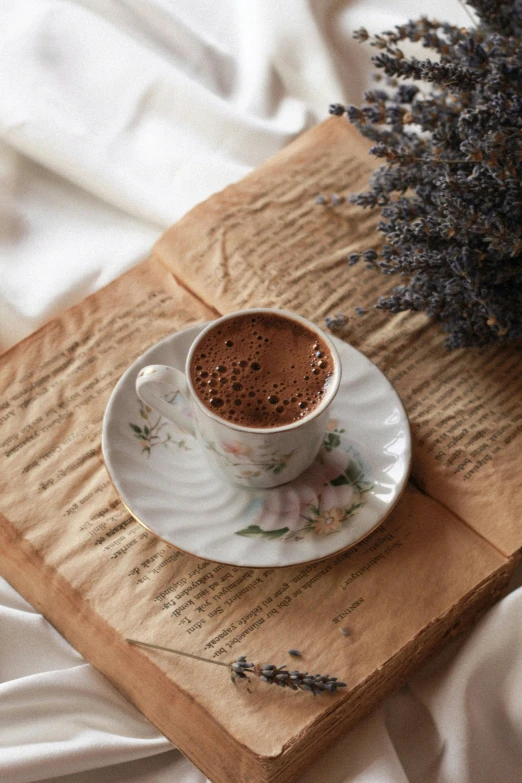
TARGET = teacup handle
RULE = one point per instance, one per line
(155, 378)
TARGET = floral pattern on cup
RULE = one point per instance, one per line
(319, 502)
(155, 429)
(248, 462)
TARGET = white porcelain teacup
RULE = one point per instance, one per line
(256, 457)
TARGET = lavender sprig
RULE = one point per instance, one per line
(278, 675)
(241, 669)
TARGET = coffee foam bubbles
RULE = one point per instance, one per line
(261, 370)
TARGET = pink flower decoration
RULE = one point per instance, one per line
(236, 448)
(286, 506)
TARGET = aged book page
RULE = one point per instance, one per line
(71, 548)
(265, 242)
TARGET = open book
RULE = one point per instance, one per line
(69, 546)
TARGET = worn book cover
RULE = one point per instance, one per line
(70, 547)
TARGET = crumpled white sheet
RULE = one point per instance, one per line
(116, 117)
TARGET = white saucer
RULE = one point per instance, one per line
(163, 477)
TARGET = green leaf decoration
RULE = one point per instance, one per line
(332, 441)
(135, 427)
(252, 531)
(336, 482)
(275, 533)
(353, 472)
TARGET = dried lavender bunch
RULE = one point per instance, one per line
(450, 189)
(241, 669)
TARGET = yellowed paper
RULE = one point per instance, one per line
(70, 547)
(265, 242)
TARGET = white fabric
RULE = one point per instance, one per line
(115, 118)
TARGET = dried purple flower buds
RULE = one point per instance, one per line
(336, 109)
(335, 322)
(278, 675)
(450, 195)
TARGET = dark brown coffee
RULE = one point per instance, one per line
(261, 370)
